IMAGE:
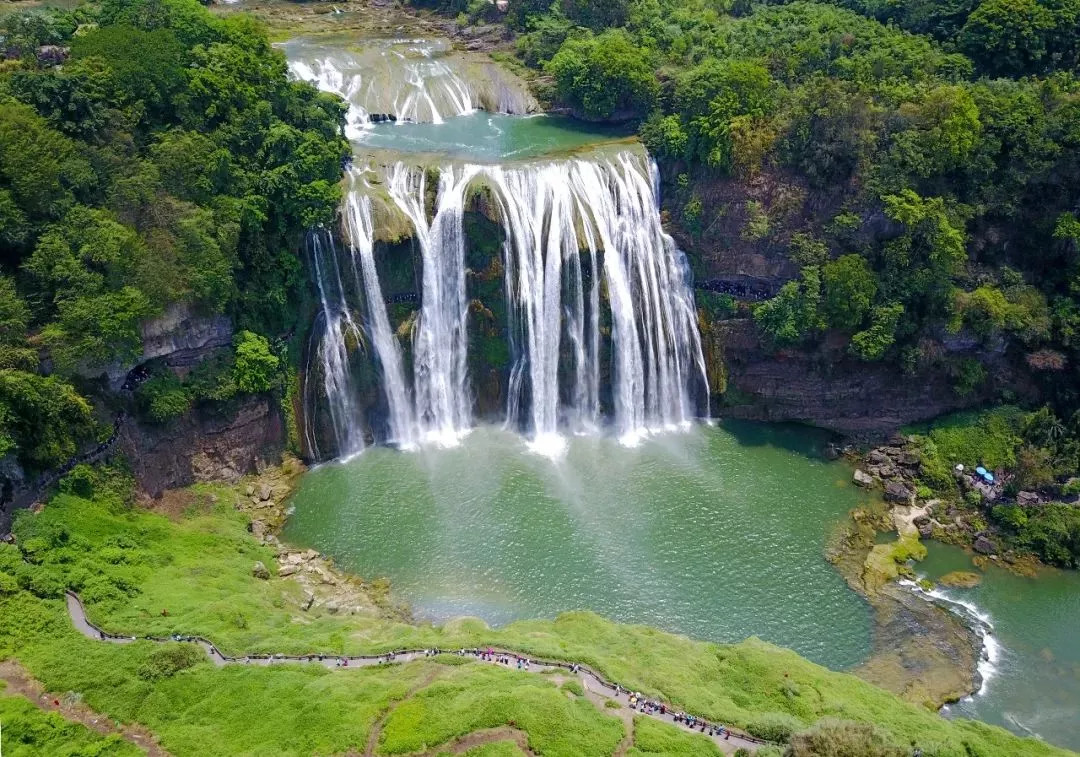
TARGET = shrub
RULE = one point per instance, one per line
(774, 726)
(170, 660)
(256, 367)
(163, 397)
(604, 77)
(843, 738)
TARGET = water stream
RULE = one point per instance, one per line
(1032, 675)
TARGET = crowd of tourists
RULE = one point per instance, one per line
(637, 702)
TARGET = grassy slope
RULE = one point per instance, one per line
(29, 732)
(199, 567)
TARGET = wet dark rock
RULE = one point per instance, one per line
(260, 571)
(898, 492)
(984, 546)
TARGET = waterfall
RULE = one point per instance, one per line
(400, 79)
(440, 386)
(614, 208)
(360, 232)
(332, 353)
(584, 246)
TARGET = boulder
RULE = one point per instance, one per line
(877, 457)
(898, 492)
(287, 570)
(249, 490)
(926, 530)
(863, 479)
(909, 459)
(264, 492)
(984, 546)
(258, 529)
(309, 600)
(961, 579)
(332, 607)
(1027, 499)
(260, 571)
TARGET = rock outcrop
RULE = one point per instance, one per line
(205, 445)
(825, 387)
(180, 335)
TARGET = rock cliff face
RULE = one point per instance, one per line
(180, 336)
(824, 387)
(205, 445)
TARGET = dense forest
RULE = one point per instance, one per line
(924, 166)
(151, 154)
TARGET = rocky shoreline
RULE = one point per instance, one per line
(323, 587)
(894, 469)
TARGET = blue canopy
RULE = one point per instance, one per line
(981, 471)
(989, 477)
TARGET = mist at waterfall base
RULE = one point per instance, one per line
(718, 533)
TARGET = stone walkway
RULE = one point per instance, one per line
(592, 682)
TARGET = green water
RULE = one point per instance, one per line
(488, 137)
(717, 533)
(1034, 682)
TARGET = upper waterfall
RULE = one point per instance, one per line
(414, 80)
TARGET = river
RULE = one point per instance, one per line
(1032, 682)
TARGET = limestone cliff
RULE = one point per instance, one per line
(207, 444)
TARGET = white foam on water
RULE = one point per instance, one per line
(979, 621)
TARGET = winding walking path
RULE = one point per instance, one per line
(592, 682)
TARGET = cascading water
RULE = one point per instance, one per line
(332, 354)
(443, 399)
(600, 316)
(405, 80)
(360, 232)
(573, 228)
(613, 206)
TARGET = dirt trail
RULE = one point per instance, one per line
(463, 744)
(20, 682)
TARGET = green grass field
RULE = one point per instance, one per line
(129, 564)
(30, 732)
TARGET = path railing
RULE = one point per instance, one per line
(78, 617)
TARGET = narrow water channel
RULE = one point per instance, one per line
(1033, 681)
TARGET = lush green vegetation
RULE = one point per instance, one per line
(129, 565)
(28, 732)
(151, 154)
(1039, 454)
